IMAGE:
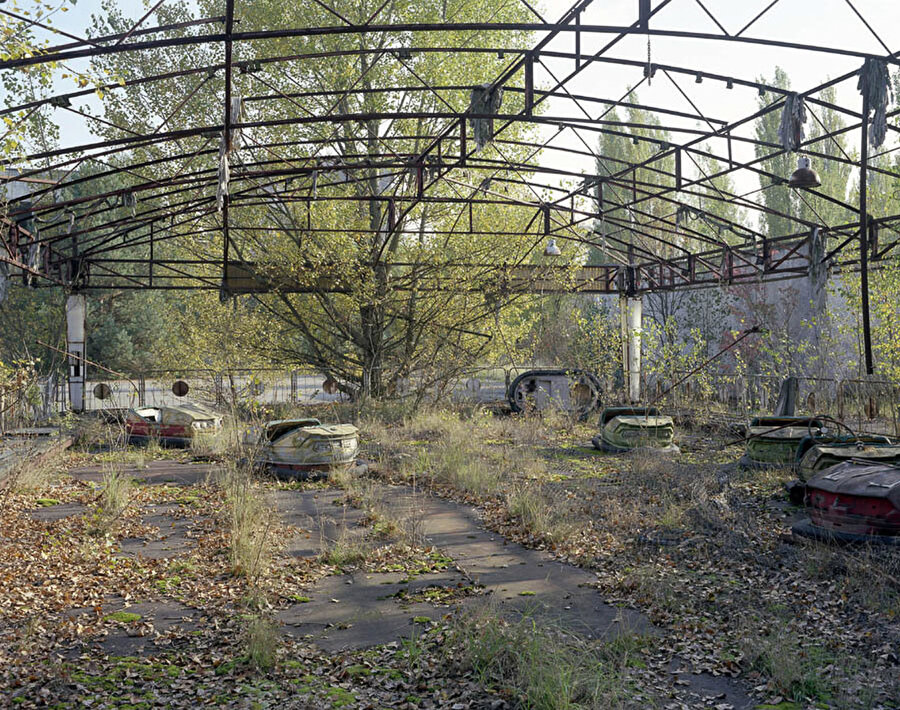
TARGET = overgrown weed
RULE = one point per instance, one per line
(30, 477)
(795, 670)
(114, 496)
(868, 575)
(651, 585)
(90, 433)
(262, 640)
(349, 550)
(543, 668)
(250, 522)
(455, 461)
(538, 514)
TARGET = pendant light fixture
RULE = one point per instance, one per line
(804, 176)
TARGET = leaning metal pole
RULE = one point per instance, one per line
(864, 229)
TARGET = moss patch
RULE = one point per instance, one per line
(124, 617)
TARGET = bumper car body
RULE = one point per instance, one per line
(774, 441)
(175, 425)
(628, 428)
(295, 448)
(854, 502)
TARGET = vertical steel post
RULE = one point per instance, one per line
(644, 15)
(631, 311)
(152, 235)
(463, 148)
(578, 40)
(864, 233)
(229, 29)
(678, 168)
(75, 346)
(529, 84)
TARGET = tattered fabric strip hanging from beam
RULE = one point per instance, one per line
(228, 145)
(875, 84)
(4, 280)
(485, 101)
(793, 116)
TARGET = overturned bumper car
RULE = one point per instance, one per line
(853, 502)
(176, 425)
(574, 391)
(628, 428)
(774, 441)
(297, 448)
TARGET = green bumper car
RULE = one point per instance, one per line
(774, 441)
(817, 454)
(628, 428)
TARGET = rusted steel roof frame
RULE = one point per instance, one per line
(105, 233)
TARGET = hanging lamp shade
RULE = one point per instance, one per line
(804, 175)
(551, 249)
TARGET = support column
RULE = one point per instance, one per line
(75, 314)
(864, 234)
(631, 311)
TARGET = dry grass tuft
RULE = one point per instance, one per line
(348, 551)
(797, 672)
(262, 640)
(455, 461)
(388, 520)
(867, 575)
(114, 496)
(250, 522)
(29, 477)
(541, 667)
(90, 433)
(539, 514)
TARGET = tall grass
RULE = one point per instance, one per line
(347, 551)
(114, 495)
(797, 671)
(28, 477)
(538, 514)
(250, 522)
(542, 668)
(388, 519)
(261, 639)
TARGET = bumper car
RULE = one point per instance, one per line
(175, 425)
(627, 428)
(853, 502)
(574, 391)
(818, 453)
(300, 448)
(774, 441)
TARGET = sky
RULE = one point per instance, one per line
(820, 22)
(817, 22)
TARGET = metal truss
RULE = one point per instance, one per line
(114, 225)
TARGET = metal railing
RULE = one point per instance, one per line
(217, 388)
(865, 405)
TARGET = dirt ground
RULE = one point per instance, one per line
(475, 561)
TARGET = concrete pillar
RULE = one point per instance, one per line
(75, 344)
(631, 310)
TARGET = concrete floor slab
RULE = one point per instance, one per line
(51, 513)
(153, 473)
